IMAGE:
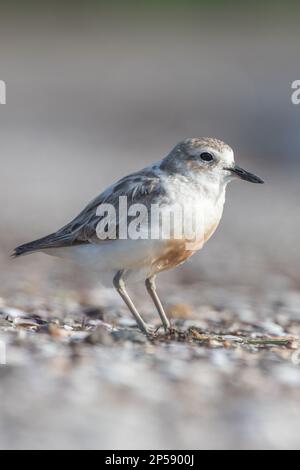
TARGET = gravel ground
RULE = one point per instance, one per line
(82, 376)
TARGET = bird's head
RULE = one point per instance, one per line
(207, 158)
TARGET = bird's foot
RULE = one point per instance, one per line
(151, 331)
(167, 331)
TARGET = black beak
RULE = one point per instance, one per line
(245, 175)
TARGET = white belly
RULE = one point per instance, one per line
(108, 257)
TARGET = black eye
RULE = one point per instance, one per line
(207, 157)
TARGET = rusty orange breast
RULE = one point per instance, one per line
(176, 252)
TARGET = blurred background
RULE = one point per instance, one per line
(99, 89)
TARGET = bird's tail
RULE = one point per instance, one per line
(35, 245)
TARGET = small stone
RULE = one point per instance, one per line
(94, 313)
(127, 322)
(100, 336)
(215, 344)
(28, 323)
(272, 328)
(12, 313)
(129, 335)
(181, 311)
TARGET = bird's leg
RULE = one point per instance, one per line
(120, 287)
(151, 288)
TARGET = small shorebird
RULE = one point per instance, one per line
(194, 175)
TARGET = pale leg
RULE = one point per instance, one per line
(151, 288)
(120, 287)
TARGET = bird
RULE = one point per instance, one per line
(192, 178)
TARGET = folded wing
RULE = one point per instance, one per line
(143, 187)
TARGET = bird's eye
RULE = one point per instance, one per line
(206, 157)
